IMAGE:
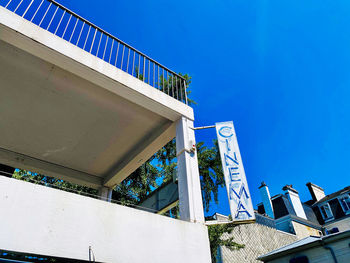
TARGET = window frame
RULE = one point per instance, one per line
(326, 207)
(346, 196)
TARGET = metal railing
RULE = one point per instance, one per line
(64, 23)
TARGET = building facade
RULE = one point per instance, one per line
(258, 238)
(322, 214)
(80, 105)
(325, 249)
(284, 221)
(333, 210)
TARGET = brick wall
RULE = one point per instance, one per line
(342, 225)
(304, 231)
(258, 240)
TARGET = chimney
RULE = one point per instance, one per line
(294, 199)
(266, 199)
(317, 193)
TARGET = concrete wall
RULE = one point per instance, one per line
(258, 240)
(302, 231)
(342, 225)
(40, 220)
(96, 95)
(286, 224)
(320, 254)
(49, 47)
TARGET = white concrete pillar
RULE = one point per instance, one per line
(190, 195)
(105, 193)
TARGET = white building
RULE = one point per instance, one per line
(81, 105)
(333, 210)
(323, 214)
(331, 248)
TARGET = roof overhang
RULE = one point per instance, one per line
(71, 115)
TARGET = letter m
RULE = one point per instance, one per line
(242, 191)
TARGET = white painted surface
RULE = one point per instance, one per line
(316, 191)
(105, 193)
(70, 121)
(190, 195)
(87, 122)
(60, 52)
(319, 194)
(296, 203)
(41, 220)
(318, 254)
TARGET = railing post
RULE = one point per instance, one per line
(185, 85)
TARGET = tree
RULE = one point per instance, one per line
(160, 169)
(215, 233)
(53, 182)
(138, 185)
(210, 170)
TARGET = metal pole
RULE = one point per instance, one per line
(104, 52)
(45, 14)
(60, 22)
(37, 10)
(99, 44)
(75, 25)
(203, 127)
(65, 29)
(110, 54)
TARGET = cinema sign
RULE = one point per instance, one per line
(236, 183)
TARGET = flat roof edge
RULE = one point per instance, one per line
(319, 241)
(88, 66)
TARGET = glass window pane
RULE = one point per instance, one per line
(326, 213)
(345, 202)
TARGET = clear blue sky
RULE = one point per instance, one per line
(279, 69)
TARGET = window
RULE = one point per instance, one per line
(345, 203)
(326, 211)
(299, 259)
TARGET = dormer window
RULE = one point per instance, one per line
(345, 203)
(326, 211)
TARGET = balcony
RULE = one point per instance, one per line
(65, 24)
(76, 102)
(81, 105)
(44, 221)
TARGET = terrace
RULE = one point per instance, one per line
(80, 105)
(99, 108)
(64, 23)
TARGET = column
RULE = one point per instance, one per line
(190, 195)
(105, 193)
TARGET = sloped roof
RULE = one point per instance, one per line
(301, 244)
(333, 195)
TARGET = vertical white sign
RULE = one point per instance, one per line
(236, 183)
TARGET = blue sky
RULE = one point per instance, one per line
(279, 69)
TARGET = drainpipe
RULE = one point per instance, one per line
(331, 250)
